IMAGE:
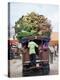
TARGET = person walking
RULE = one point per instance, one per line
(32, 52)
(55, 50)
(51, 53)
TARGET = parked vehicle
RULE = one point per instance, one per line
(12, 49)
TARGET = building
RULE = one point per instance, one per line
(54, 38)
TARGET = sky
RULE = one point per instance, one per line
(48, 10)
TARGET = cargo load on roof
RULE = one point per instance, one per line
(32, 24)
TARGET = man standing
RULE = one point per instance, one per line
(55, 50)
(32, 52)
(19, 51)
(51, 52)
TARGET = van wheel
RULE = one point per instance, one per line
(46, 69)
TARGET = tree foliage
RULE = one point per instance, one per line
(32, 24)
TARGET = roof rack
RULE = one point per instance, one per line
(37, 37)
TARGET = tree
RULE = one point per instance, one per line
(32, 24)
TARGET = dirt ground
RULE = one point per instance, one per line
(16, 67)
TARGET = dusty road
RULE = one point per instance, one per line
(16, 67)
(54, 67)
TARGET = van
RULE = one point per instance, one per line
(42, 56)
